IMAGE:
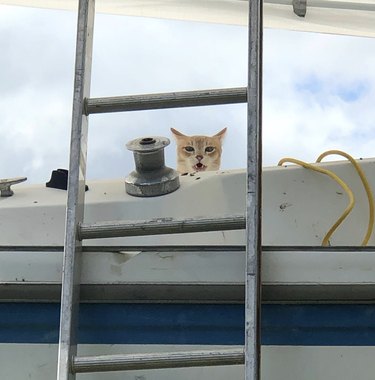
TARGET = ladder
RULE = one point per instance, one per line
(69, 364)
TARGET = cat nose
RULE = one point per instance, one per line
(199, 157)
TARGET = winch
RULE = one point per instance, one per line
(151, 177)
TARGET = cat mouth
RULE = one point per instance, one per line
(199, 167)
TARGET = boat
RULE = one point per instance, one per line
(354, 17)
(182, 291)
(187, 290)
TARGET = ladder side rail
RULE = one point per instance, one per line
(253, 201)
(76, 193)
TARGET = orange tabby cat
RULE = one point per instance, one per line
(198, 153)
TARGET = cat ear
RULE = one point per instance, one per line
(220, 134)
(177, 133)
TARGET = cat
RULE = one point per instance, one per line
(198, 153)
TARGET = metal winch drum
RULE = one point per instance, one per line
(151, 177)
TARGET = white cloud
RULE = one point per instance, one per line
(305, 113)
(307, 79)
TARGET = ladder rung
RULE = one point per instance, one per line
(107, 363)
(166, 100)
(160, 226)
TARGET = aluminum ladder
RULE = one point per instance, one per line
(75, 231)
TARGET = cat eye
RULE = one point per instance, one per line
(189, 148)
(209, 149)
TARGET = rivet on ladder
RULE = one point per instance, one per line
(151, 177)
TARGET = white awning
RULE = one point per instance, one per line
(356, 17)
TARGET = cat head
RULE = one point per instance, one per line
(198, 153)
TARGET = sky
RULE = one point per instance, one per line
(319, 90)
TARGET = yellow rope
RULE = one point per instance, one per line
(336, 178)
(366, 185)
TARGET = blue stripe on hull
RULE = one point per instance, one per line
(306, 325)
